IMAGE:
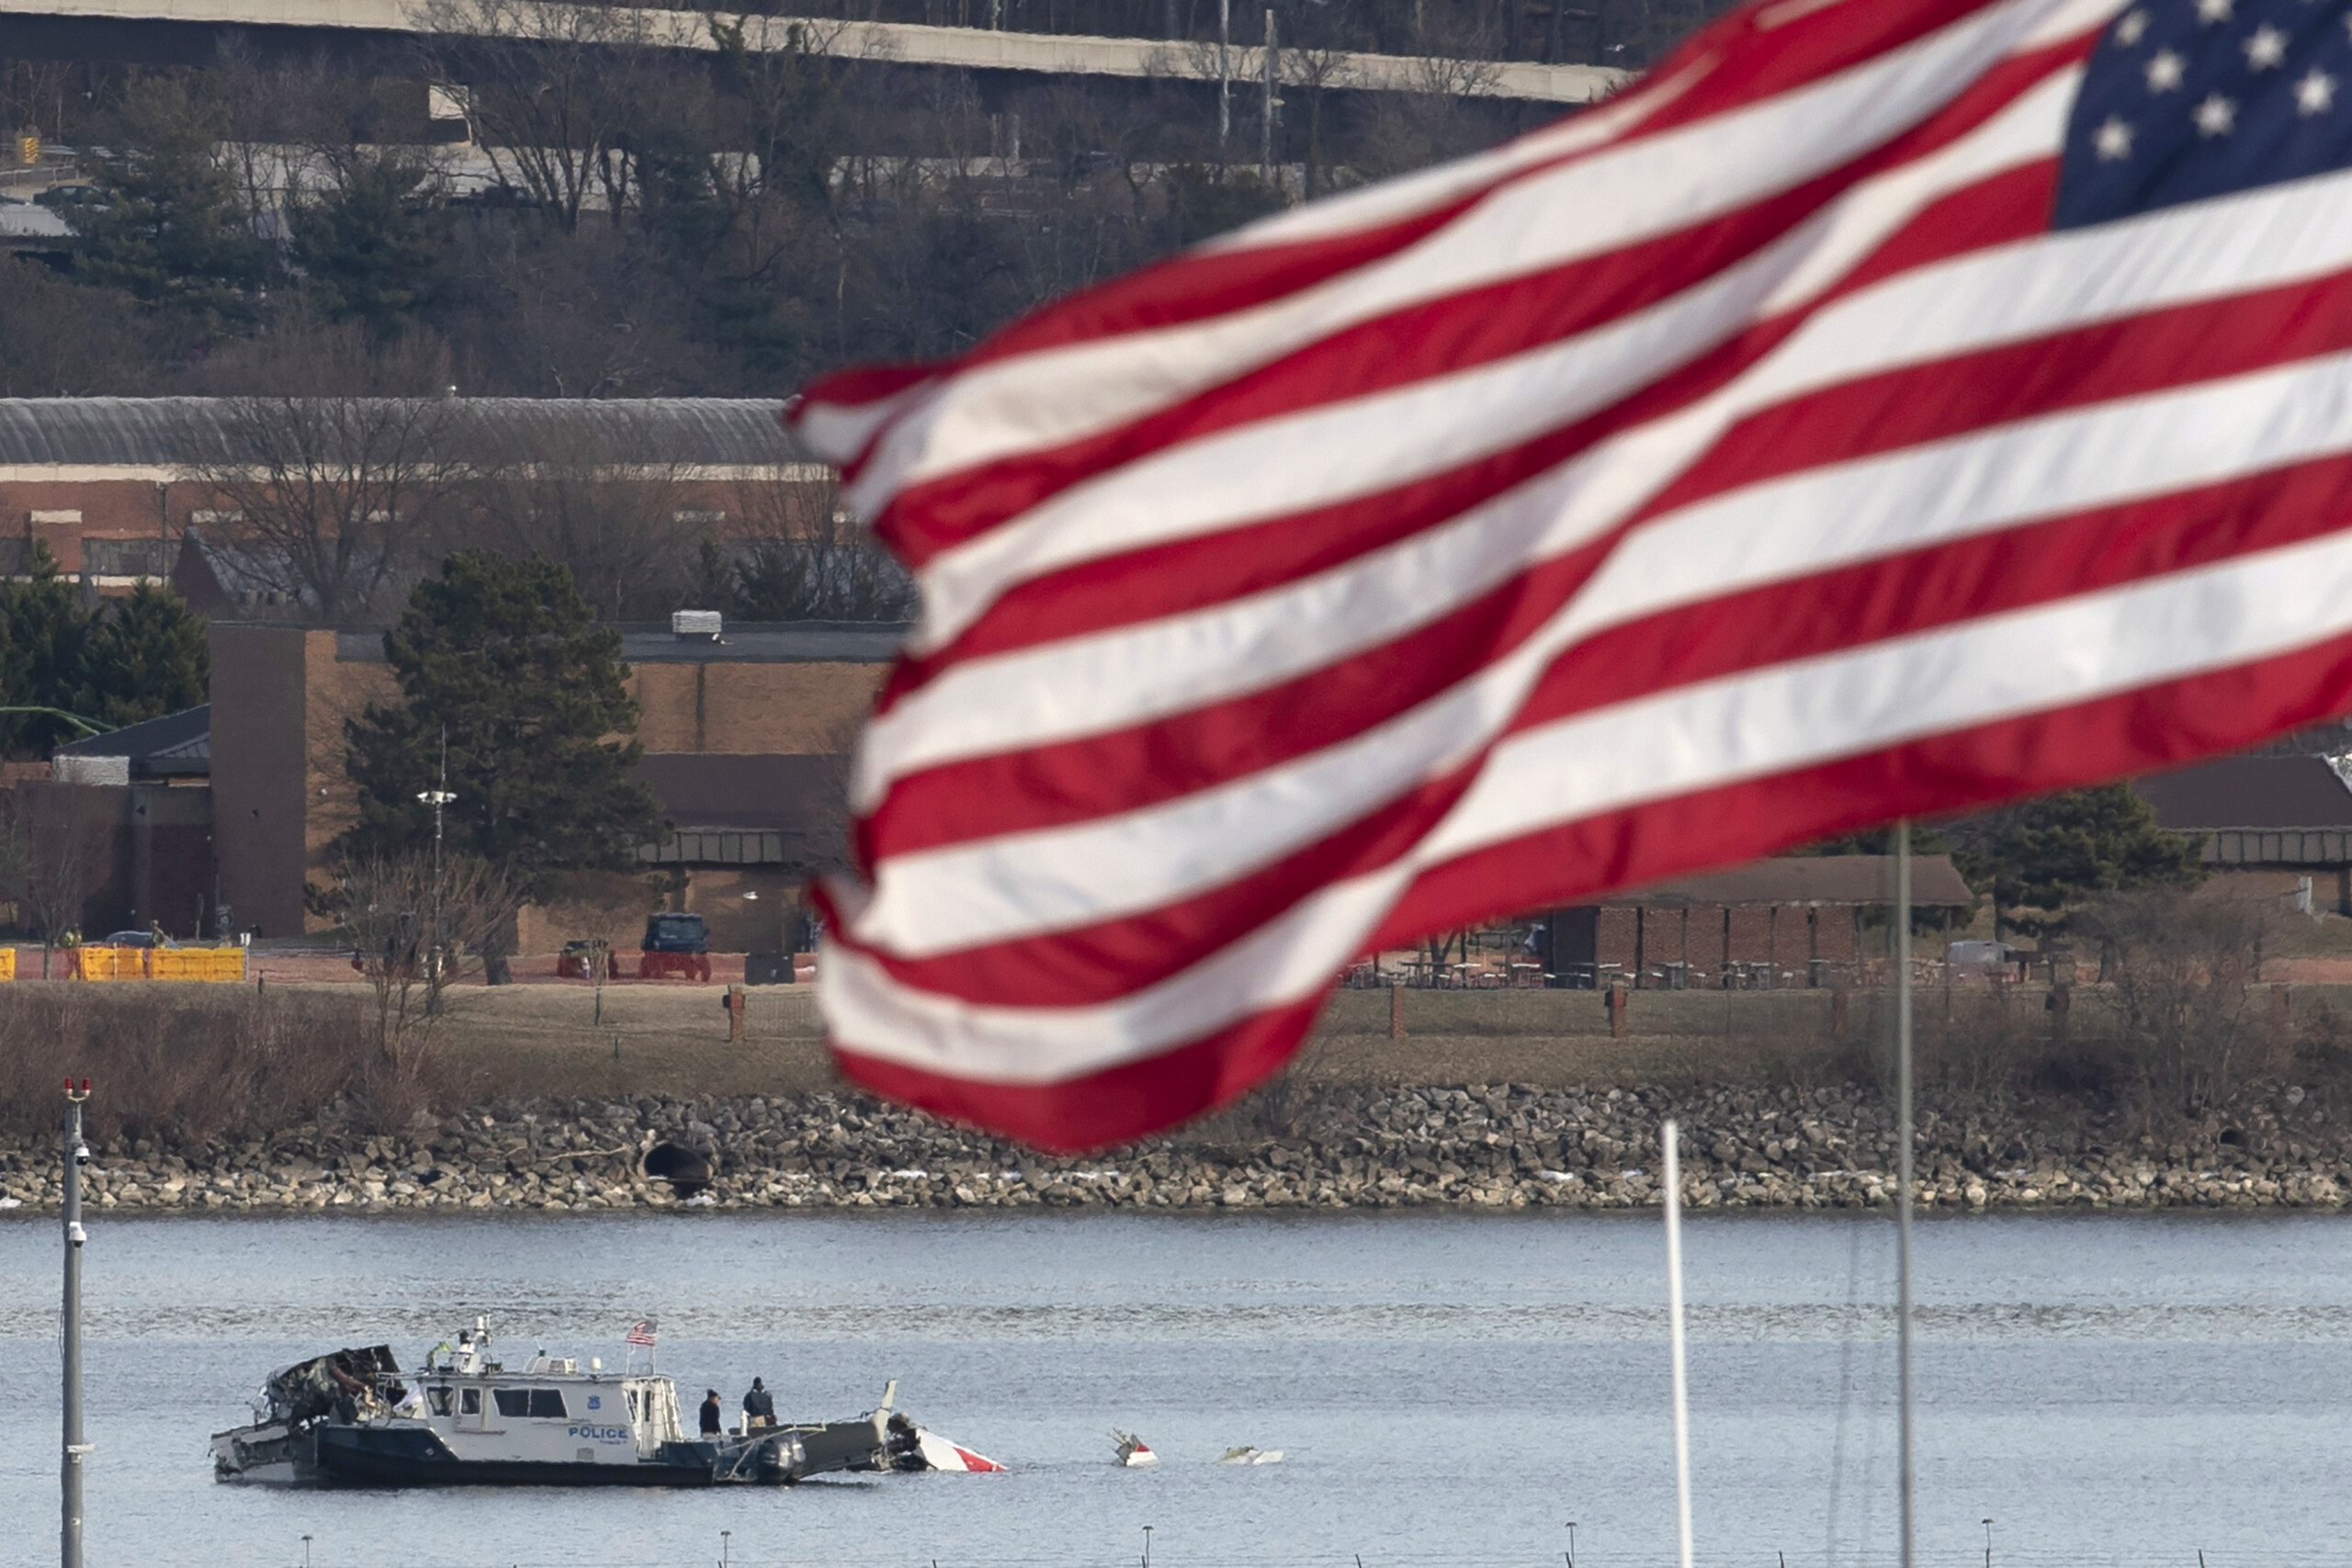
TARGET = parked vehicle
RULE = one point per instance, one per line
(676, 945)
(577, 961)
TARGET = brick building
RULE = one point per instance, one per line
(746, 741)
(1777, 916)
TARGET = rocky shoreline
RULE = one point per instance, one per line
(1480, 1147)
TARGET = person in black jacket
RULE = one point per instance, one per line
(710, 1416)
(758, 1406)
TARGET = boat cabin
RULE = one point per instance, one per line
(547, 1410)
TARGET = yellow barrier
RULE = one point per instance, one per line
(8, 962)
(214, 964)
(95, 961)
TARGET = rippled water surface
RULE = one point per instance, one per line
(1446, 1389)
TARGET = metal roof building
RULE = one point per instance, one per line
(160, 439)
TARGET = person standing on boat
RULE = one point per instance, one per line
(711, 1419)
(758, 1406)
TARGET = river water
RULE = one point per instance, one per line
(1447, 1389)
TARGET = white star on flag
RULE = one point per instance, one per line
(2266, 49)
(2165, 72)
(2213, 10)
(2113, 140)
(2129, 30)
(2216, 116)
(2315, 94)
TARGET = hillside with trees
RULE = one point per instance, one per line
(630, 221)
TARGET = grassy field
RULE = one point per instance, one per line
(546, 1040)
(663, 1039)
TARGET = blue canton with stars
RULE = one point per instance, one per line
(2183, 100)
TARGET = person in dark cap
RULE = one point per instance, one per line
(758, 1406)
(710, 1416)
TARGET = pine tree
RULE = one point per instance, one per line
(46, 630)
(367, 247)
(2057, 851)
(506, 658)
(169, 232)
(146, 657)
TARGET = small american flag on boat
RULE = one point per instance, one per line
(641, 1333)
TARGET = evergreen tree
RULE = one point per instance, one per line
(2057, 851)
(506, 658)
(368, 246)
(46, 631)
(169, 231)
(146, 658)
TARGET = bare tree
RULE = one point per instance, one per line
(414, 925)
(807, 559)
(2186, 973)
(601, 499)
(332, 498)
(1316, 72)
(52, 858)
(552, 87)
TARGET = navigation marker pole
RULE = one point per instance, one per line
(1669, 1135)
(69, 1474)
(1904, 1162)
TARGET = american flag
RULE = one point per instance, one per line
(641, 1333)
(1886, 407)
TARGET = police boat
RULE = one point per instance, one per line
(352, 1418)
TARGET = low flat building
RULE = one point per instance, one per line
(2286, 816)
(1767, 922)
(125, 820)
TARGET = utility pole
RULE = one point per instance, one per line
(1266, 120)
(1224, 75)
(69, 1474)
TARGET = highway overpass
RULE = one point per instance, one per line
(371, 34)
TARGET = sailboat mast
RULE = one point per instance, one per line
(1670, 1139)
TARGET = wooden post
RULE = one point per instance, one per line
(734, 1005)
(1616, 1012)
(1838, 1010)
(1396, 1011)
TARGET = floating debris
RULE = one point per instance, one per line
(1250, 1456)
(1134, 1453)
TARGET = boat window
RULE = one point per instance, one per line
(440, 1400)
(470, 1402)
(545, 1403)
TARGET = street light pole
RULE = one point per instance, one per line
(438, 798)
(69, 1551)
